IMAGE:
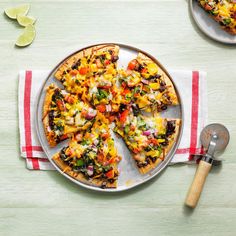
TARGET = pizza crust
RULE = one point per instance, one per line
(79, 176)
(86, 52)
(145, 59)
(50, 135)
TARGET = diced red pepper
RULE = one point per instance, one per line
(132, 64)
(111, 118)
(101, 108)
(83, 70)
(61, 105)
(114, 160)
(107, 62)
(124, 115)
(105, 136)
(110, 174)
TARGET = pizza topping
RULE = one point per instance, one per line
(95, 95)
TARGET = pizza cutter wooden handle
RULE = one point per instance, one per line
(197, 184)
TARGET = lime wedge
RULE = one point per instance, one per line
(25, 20)
(13, 12)
(27, 37)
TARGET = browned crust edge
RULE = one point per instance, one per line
(50, 135)
(78, 176)
(74, 58)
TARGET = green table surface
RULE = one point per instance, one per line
(44, 202)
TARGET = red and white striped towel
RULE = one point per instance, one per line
(192, 88)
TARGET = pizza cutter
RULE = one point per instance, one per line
(214, 138)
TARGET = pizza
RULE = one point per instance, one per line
(148, 138)
(64, 114)
(223, 11)
(147, 85)
(91, 156)
(99, 98)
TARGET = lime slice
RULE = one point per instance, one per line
(13, 12)
(27, 37)
(25, 20)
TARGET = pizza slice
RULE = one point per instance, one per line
(148, 138)
(94, 65)
(224, 12)
(147, 85)
(64, 114)
(91, 156)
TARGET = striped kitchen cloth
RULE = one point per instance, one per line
(191, 85)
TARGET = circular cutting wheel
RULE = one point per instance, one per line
(221, 136)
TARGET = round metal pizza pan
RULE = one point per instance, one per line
(129, 176)
(209, 26)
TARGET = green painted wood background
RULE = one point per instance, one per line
(43, 202)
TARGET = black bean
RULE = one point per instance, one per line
(163, 108)
(114, 59)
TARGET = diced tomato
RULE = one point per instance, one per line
(105, 136)
(63, 137)
(83, 70)
(110, 174)
(70, 99)
(107, 62)
(61, 105)
(114, 160)
(73, 72)
(124, 115)
(154, 141)
(126, 91)
(101, 108)
(84, 113)
(111, 118)
(136, 150)
(132, 64)
(208, 7)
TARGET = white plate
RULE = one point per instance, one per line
(129, 175)
(208, 25)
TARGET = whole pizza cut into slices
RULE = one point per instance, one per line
(64, 114)
(148, 138)
(91, 156)
(147, 85)
(222, 11)
(95, 95)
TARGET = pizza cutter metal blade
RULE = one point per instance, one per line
(214, 138)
